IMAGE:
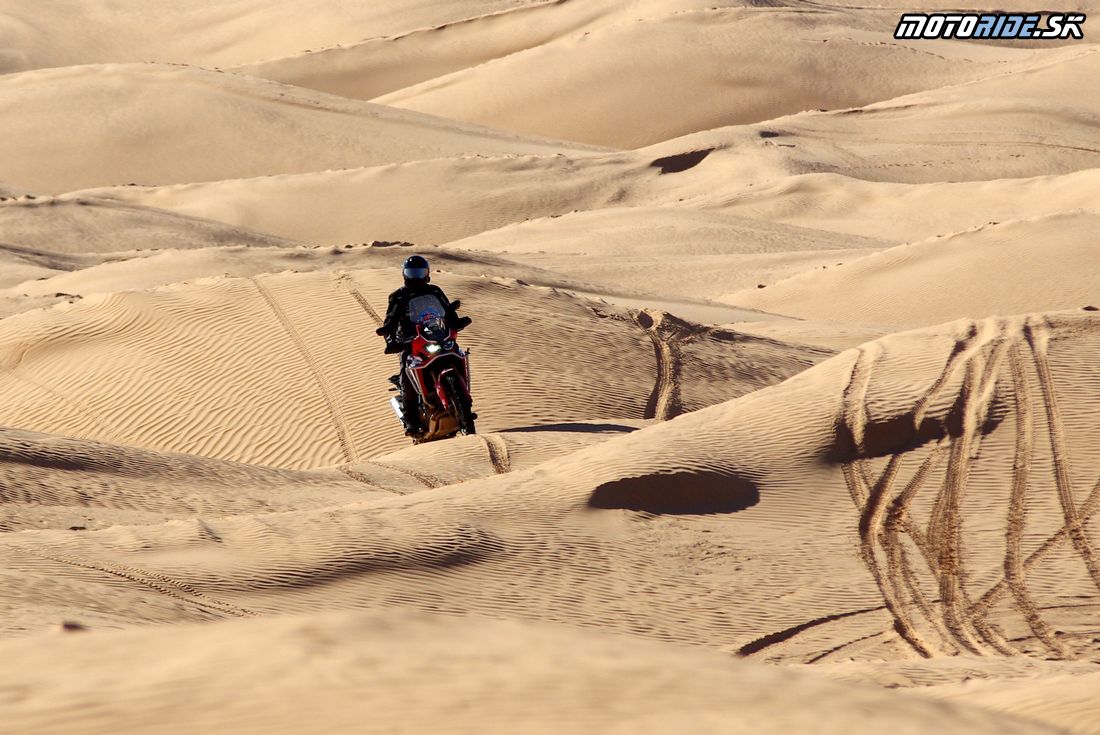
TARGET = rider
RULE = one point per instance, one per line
(407, 305)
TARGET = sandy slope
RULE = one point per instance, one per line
(927, 533)
(78, 225)
(758, 172)
(172, 124)
(9, 191)
(909, 212)
(1019, 123)
(378, 65)
(35, 277)
(23, 264)
(1035, 264)
(54, 34)
(1055, 692)
(63, 483)
(297, 355)
(526, 678)
(703, 254)
(691, 71)
(196, 430)
(465, 195)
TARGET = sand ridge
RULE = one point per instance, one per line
(589, 682)
(783, 350)
(914, 407)
(153, 136)
(1058, 275)
(311, 334)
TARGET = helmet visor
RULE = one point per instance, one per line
(417, 274)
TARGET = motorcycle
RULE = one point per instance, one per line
(440, 371)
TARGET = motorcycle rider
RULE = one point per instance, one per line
(407, 306)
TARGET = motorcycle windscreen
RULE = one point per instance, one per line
(424, 308)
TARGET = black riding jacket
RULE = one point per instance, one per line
(399, 329)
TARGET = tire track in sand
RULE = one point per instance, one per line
(497, 449)
(425, 479)
(942, 545)
(901, 573)
(1013, 582)
(665, 400)
(343, 435)
(870, 497)
(945, 524)
(160, 583)
(1017, 511)
(346, 281)
(884, 519)
(361, 478)
(1038, 337)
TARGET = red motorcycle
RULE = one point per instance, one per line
(440, 371)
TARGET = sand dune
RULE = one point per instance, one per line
(1056, 692)
(530, 678)
(162, 383)
(23, 264)
(233, 32)
(700, 253)
(619, 232)
(8, 191)
(62, 483)
(78, 225)
(648, 79)
(748, 171)
(172, 124)
(1019, 123)
(900, 212)
(1036, 264)
(466, 195)
(688, 233)
(1064, 700)
(471, 458)
(901, 524)
(383, 64)
(38, 276)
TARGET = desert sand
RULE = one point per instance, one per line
(784, 353)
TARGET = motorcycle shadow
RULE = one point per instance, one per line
(579, 427)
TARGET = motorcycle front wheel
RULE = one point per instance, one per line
(460, 404)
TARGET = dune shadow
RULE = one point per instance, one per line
(679, 493)
(681, 161)
(901, 433)
(579, 428)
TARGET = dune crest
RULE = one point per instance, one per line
(1036, 264)
(159, 131)
(784, 348)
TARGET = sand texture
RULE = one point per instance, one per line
(784, 351)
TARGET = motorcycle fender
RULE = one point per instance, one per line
(440, 391)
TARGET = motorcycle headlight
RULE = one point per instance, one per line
(432, 349)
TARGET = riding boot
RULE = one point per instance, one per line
(410, 404)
